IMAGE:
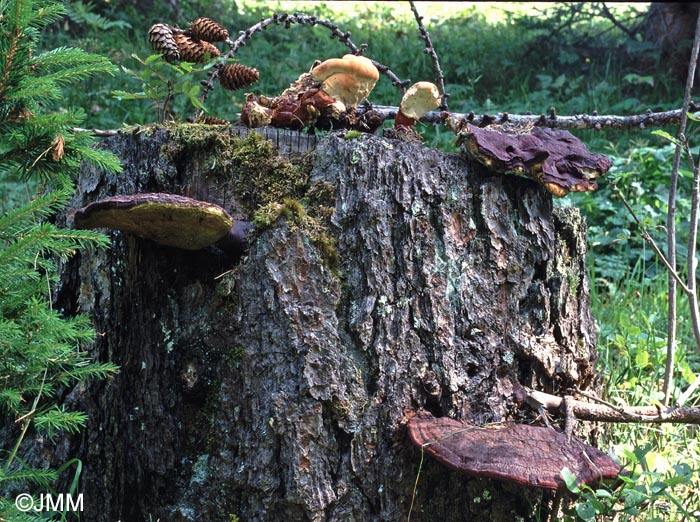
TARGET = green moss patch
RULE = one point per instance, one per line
(298, 219)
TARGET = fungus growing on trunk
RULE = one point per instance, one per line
(554, 158)
(521, 453)
(167, 219)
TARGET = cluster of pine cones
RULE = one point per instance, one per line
(196, 44)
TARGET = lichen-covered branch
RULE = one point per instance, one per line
(578, 122)
(430, 50)
(289, 19)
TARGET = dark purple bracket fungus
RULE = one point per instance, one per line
(167, 219)
(554, 158)
(527, 455)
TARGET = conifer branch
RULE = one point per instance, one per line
(9, 59)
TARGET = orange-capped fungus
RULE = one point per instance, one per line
(527, 455)
(420, 98)
(167, 219)
(348, 80)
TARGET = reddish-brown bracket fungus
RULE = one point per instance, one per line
(554, 158)
(167, 219)
(520, 453)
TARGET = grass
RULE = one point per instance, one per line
(483, 46)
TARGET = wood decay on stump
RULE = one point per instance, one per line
(278, 390)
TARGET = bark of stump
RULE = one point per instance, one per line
(277, 391)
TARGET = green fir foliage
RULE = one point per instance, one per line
(41, 351)
(36, 142)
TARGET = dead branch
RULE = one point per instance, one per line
(553, 120)
(430, 50)
(606, 412)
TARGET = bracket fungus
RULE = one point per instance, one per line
(420, 98)
(554, 158)
(521, 453)
(348, 80)
(167, 219)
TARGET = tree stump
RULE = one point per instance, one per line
(276, 388)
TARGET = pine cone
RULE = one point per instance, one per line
(208, 30)
(163, 41)
(237, 76)
(192, 50)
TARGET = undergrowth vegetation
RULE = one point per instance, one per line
(515, 63)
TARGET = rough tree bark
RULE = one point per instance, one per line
(277, 391)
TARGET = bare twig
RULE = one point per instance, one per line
(289, 19)
(632, 33)
(671, 227)
(98, 132)
(646, 237)
(607, 412)
(430, 50)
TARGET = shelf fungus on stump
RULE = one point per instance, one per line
(167, 219)
(554, 158)
(521, 453)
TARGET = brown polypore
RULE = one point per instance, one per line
(167, 219)
(554, 158)
(520, 453)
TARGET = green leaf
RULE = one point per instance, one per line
(569, 479)
(123, 95)
(636, 79)
(603, 493)
(586, 511)
(198, 104)
(641, 359)
(666, 135)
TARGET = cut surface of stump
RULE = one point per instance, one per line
(521, 453)
(554, 158)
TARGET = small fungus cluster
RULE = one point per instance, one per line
(325, 97)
